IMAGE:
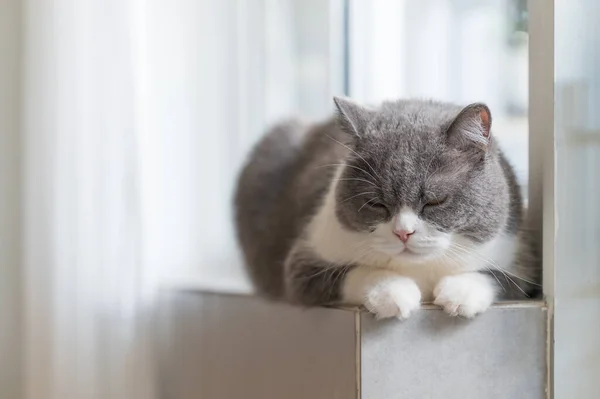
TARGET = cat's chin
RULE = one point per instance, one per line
(412, 256)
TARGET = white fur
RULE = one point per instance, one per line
(428, 258)
(465, 294)
(393, 297)
(406, 220)
(383, 292)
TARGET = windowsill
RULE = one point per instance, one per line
(242, 288)
(208, 284)
(345, 352)
(528, 303)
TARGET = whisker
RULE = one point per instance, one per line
(518, 277)
(340, 275)
(364, 244)
(515, 284)
(471, 253)
(468, 251)
(323, 270)
(496, 277)
(453, 251)
(365, 204)
(349, 166)
(493, 264)
(357, 195)
(462, 247)
(357, 154)
(357, 179)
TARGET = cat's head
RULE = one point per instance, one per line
(421, 178)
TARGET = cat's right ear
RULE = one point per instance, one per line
(352, 117)
(471, 128)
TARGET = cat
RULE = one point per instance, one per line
(386, 207)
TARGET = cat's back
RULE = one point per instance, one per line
(278, 190)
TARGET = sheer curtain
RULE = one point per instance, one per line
(217, 73)
(83, 276)
(397, 48)
(137, 115)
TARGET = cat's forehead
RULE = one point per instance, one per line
(415, 115)
(407, 141)
(405, 167)
(404, 139)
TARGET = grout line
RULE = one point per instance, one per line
(549, 350)
(358, 353)
(497, 305)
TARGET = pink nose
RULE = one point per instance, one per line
(403, 234)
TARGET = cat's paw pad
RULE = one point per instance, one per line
(464, 295)
(393, 297)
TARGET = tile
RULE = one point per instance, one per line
(498, 355)
(227, 347)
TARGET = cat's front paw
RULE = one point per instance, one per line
(465, 294)
(393, 297)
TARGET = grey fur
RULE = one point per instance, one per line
(312, 281)
(279, 190)
(407, 152)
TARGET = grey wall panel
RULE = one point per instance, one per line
(228, 347)
(499, 355)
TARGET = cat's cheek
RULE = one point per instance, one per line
(465, 295)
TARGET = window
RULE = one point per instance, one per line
(458, 51)
(273, 59)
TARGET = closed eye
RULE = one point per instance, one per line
(374, 205)
(436, 201)
(378, 206)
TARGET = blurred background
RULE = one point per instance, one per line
(212, 76)
(124, 124)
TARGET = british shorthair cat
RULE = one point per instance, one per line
(386, 207)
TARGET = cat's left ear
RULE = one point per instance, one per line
(472, 127)
(352, 117)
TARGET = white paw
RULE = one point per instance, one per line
(393, 297)
(464, 294)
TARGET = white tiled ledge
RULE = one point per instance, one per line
(225, 346)
(243, 287)
(534, 303)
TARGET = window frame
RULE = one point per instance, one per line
(541, 212)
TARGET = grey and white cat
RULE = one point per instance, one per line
(386, 207)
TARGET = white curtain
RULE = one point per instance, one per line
(137, 115)
(85, 313)
(397, 47)
(216, 74)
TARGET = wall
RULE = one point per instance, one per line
(10, 293)
(577, 152)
